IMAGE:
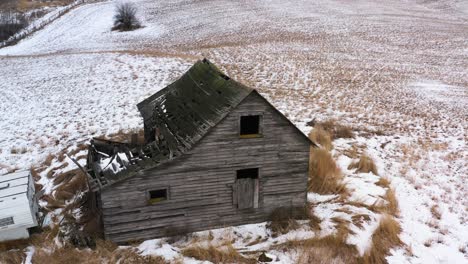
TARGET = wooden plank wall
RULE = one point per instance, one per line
(200, 182)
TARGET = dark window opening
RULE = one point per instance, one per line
(247, 174)
(156, 196)
(250, 125)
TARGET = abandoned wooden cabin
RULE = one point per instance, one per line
(18, 205)
(217, 153)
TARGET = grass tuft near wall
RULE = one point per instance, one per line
(322, 137)
(324, 175)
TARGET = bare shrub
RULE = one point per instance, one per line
(125, 17)
(364, 165)
(384, 238)
(324, 176)
(322, 137)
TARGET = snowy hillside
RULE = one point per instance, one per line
(395, 71)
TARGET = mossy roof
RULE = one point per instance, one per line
(185, 110)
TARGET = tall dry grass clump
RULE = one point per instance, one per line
(324, 175)
(365, 164)
(384, 238)
(322, 137)
(336, 130)
(391, 207)
(69, 184)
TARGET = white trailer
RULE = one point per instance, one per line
(18, 205)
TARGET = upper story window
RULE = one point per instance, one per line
(157, 196)
(250, 126)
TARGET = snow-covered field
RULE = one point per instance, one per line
(395, 67)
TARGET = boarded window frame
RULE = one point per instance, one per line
(260, 125)
(153, 201)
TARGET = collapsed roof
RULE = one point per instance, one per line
(175, 118)
(184, 111)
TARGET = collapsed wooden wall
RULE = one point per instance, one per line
(200, 183)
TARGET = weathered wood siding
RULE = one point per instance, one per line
(201, 182)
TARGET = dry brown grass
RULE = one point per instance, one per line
(223, 254)
(14, 251)
(104, 252)
(324, 175)
(52, 203)
(384, 238)
(14, 244)
(12, 256)
(71, 183)
(79, 148)
(353, 152)
(359, 219)
(322, 137)
(282, 220)
(328, 249)
(364, 165)
(74, 181)
(314, 221)
(18, 150)
(383, 182)
(336, 130)
(127, 136)
(48, 160)
(435, 211)
(391, 207)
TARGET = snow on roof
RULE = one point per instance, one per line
(14, 183)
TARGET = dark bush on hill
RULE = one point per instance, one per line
(125, 17)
